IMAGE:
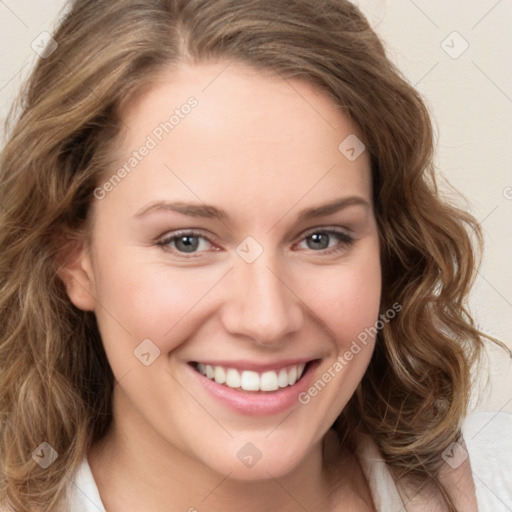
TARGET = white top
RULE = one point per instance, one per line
(488, 438)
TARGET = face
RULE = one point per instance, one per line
(234, 255)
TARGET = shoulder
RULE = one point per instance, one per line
(488, 441)
(83, 493)
(478, 471)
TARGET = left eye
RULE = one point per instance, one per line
(327, 239)
(185, 242)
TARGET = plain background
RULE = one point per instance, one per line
(455, 54)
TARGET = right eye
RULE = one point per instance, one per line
(185, 242)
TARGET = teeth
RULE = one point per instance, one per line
(292, 376)
(269, 381)
(250, 380)
(220, 375)
(232, 378)
(282, 379)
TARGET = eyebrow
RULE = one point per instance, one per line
(332, 207)
(212, 212)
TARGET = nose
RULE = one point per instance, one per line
(261, 306)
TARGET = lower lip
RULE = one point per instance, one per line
(258, 403)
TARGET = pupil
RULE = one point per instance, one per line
(187, 243)
(319, 241)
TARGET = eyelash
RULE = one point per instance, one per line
(345, 240)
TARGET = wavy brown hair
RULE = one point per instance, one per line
(55, 381)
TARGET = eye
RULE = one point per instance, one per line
(185, 242)
(329, 240)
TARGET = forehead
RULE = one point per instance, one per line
(260, 134)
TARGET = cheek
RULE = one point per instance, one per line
(348, 298)
(147, 300)
(347, 304)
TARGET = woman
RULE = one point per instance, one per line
(227, 277)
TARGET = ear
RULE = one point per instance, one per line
(78, 278)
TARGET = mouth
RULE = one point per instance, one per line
(251, 380)
(254, 389)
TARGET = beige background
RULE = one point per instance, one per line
(466, 79)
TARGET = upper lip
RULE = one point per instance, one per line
(244, 364)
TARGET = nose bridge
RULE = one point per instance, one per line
(261, 306)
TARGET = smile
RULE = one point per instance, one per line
(249, 380)
(252, 388)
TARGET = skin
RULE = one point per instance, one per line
(262, 149)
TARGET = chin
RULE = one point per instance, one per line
(244, 462)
